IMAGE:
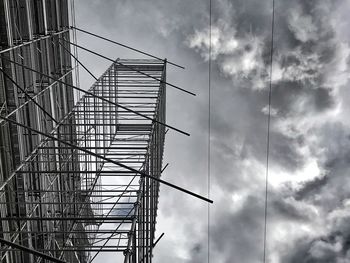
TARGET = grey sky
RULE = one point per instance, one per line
(309, 195)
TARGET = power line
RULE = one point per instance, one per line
(268, 132)
(209, 131)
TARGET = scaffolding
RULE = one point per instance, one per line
(84, 191)
(80, 169)
(71, 181)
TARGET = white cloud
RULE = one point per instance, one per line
(302, 25)
(222, 43)
(273, 111)
(309, 172)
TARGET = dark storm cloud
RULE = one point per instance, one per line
(288, 94)
(330, 189)
(287, 211)
(333, 247)
(330, 193)
(231, 239)
(311, 188)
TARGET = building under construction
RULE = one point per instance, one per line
(79, 168)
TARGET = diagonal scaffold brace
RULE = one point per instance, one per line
(123, 45)
(27, 95)
(31, 251)
(128, 67)
(142, 174)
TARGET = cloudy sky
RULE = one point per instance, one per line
(309, 182)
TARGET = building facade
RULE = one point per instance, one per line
(30, 43)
